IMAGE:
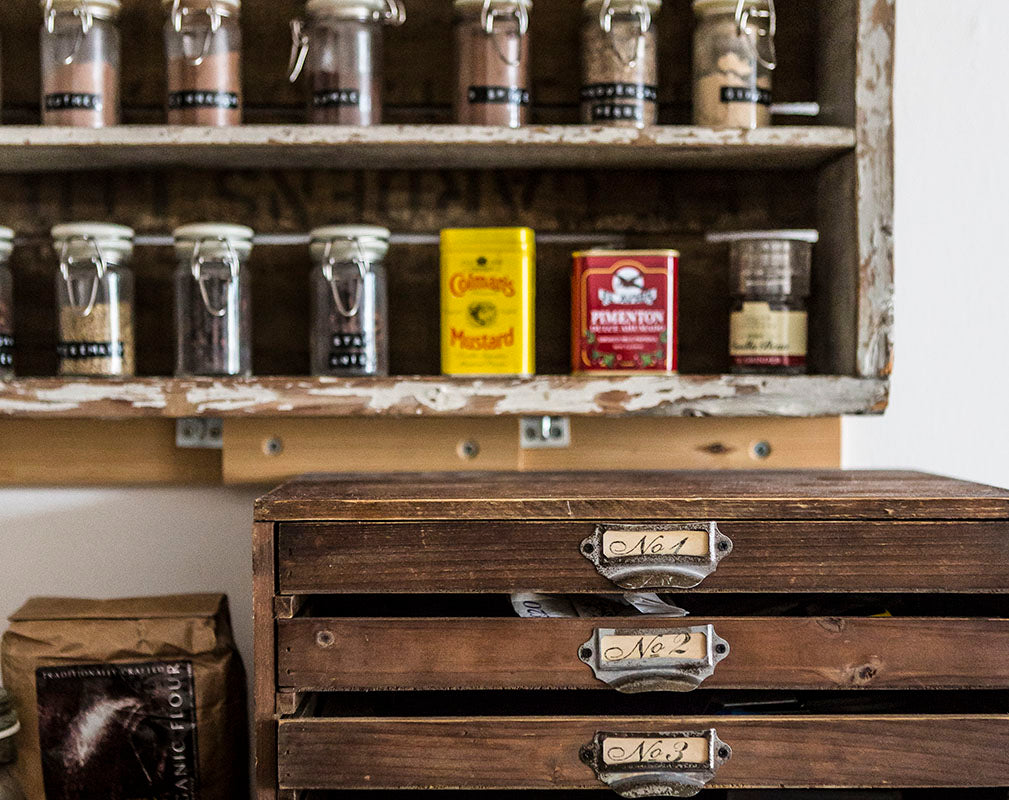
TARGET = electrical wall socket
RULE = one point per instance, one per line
(199, 433)
(542, 432)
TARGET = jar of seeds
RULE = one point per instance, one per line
(94, 299)
(492, 52)
(620, 72)
(80, 63)
(213, 301)
(734, 58)
(340, 47)
(349, 307)
(770, 272)
(203, 51)
(6, 305)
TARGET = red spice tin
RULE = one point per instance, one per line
(624, 311)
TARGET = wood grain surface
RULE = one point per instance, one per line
(264, 668)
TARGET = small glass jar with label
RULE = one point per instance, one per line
(350, 334)
(94, 299)
(203, 55)
(213, 300)
(769, 280)
(6, 306)
(734, 59)
(80, 63)
(492, 54)
(620, 71)
(339, 46)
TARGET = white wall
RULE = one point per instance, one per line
(952, 324)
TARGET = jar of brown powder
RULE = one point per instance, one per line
(80, 63)
(620, 72)
(203, 50)
(734, 58)
(94, 299)
(340, 47)
(6, 306)
(492, 50)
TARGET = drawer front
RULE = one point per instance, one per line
(759, 653)
(475, 556)
(538, 753)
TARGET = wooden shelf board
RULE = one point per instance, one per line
(34, 148)
(410, 396)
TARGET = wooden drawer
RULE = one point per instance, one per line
(762, 653)
(546, 555)
(544, 753)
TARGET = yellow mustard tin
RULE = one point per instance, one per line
(488, 301)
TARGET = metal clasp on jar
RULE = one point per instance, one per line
(363, 264)
(489, 15)
(644, 17)
(765, 28)
(97, 261)
(83, 13)
(180, 10)
(196, 266)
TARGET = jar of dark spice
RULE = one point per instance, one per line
(80, 62)
(770, 272)
(734, 59)
(10, 789)
(492, 50)
(203, 52)
(94, 299)
(213, 301)
(349, 305)
(620, 71)
(6, 305)
(340, 47)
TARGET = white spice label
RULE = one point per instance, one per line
(762, 336)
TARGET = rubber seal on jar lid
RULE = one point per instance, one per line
(115, 241)
(103, 9)
(374, 241)
(797, 235)
(478, 4)
(724, 6)
(595, 6)
(349, 9)
(186, 237)
(223, 6)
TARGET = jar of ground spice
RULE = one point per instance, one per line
(203, 51)
(6, 306)
(340, 47)
(492, 51)
(734, 59)
(213, 301)
(620, 72)
(80, 63)
(94, 299)
(770, 273)
(350, 334)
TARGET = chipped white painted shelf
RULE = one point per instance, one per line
(33, 148)
(681, 395)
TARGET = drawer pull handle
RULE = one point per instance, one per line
(677, 764)
(654, 659)
(655, 557)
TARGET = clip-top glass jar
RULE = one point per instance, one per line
(770, 278)
(340, 47)
(350, 333)
(94, 299)
(620, 71)
(6, 305)
(80, 63)
(492, 51)
(9, 727)
(734, 59)
(213, 300)
(203, 52)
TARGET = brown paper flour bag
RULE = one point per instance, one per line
(128, 699)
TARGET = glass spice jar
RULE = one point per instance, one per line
(492, 71)
(350, 333)
(203, 52)
(79, 47)
(340, 47)
(213, 300)
(620, 72)
(6, 305)
(734, 59)
(10, 789)
(770, 275)
(94, 299)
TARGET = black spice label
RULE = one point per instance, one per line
(118, 731)
(349, 351)
(602, 112)
(336, 98)
(73, 102)
(73, 350)
(201, 99)
(744, 94)
(620, 91)
(6, 351)
(498, 95)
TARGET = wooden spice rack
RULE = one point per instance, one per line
(663, 186)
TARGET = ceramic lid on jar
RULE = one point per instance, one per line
(374, 241)
(724, 6)
(790, 235)
(620, 6)
(103, 9)
(347, 9)
(115, 241)
(466, 5)
(214, 238)
(224, 6)
(6, 242)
